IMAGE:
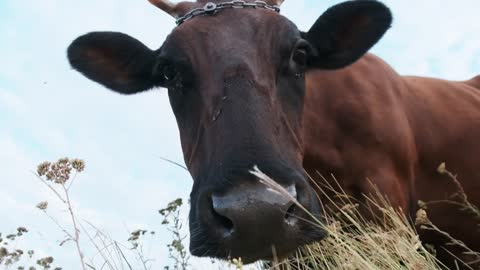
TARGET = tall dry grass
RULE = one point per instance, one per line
(387, 240)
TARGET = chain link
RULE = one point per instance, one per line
(212, 8)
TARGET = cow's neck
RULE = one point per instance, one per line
(342, 114)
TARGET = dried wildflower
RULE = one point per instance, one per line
(171, 207)
(133, 237)
(442, 168)
(45, 262)
(238, 263)
(422, 218)
(49, 175)
(21, 230)
(422, 205)
(176, 249)
(42, 169)
(42, 205)
(60, 171)
(63, 161)
(3, 252)
(78, 165)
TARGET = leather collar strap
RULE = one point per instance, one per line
(212, 9)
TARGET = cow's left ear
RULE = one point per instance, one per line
(115, 60)
(345, 32)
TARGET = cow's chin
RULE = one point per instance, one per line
(285, 247)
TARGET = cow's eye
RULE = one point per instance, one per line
(165, 71)
(300, 56)
(169, 72)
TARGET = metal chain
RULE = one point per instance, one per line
(212, 8)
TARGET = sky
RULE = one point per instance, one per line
(48, 111)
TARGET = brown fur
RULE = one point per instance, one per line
(368, 122)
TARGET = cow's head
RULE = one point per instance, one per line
(236, 84)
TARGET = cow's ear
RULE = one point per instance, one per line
(345, 32)
(114, 60)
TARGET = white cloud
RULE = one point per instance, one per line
(12, 103)
(433, 38)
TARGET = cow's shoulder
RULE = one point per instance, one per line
(474, 82)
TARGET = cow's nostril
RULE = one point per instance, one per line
(290, 217)
(223, 222)
(291, 213)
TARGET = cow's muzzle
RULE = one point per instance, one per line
(255, 221)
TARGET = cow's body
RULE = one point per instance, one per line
(368, 122)
(249, 89)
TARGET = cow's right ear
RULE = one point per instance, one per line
(115, 60)
(345, 32)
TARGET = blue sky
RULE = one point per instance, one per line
(48, 111)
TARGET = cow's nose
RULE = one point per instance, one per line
(254, 213)
(253, 222)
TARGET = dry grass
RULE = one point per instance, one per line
(459, 199)
(388, 241)
(103, 252)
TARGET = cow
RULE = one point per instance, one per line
(248, 88)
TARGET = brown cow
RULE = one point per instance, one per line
(248, 88)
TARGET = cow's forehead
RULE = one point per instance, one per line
(233, 27)
(182, 8)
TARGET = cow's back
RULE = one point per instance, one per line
(366, 121)
(474, 82)
(445, 118)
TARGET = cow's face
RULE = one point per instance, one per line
(236, 85)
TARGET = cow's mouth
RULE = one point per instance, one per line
(259, 220)
(284, 247)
